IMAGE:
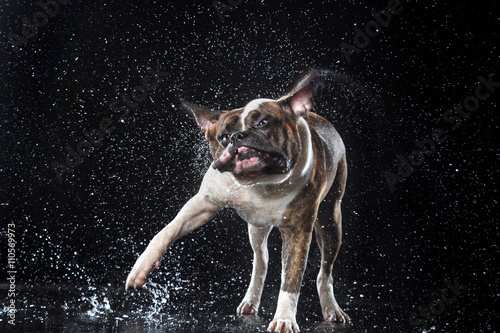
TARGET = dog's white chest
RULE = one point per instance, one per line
(260, 212)
(258, 205)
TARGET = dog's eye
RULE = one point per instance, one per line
(261, 123)
(223, 139)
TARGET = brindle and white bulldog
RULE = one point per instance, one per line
(274, 163)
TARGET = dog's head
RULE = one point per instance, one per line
(260, 140)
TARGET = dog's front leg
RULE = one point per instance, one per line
(195, 213)
(258, 240)
(296, 242)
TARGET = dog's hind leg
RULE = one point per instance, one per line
(258, 240)
(329, 238)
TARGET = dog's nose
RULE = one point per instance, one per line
(238, 137)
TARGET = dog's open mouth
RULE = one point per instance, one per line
(251, 162)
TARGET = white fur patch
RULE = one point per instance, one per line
(252, 105)
(307, 150)
(287, 305)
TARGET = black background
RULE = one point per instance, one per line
(438, 224)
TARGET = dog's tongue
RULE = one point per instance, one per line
(231, 154)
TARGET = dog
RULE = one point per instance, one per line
(277, 164)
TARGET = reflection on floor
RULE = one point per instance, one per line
(169, 308)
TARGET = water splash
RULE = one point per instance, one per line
(98, 307)
(159, 295)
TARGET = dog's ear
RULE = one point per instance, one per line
(299, 100)
(204, 117)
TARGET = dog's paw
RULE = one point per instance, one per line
(283, 325)
(248, 307)
(145, 264)
(336, 315)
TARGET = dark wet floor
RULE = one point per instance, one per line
(182, 308)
